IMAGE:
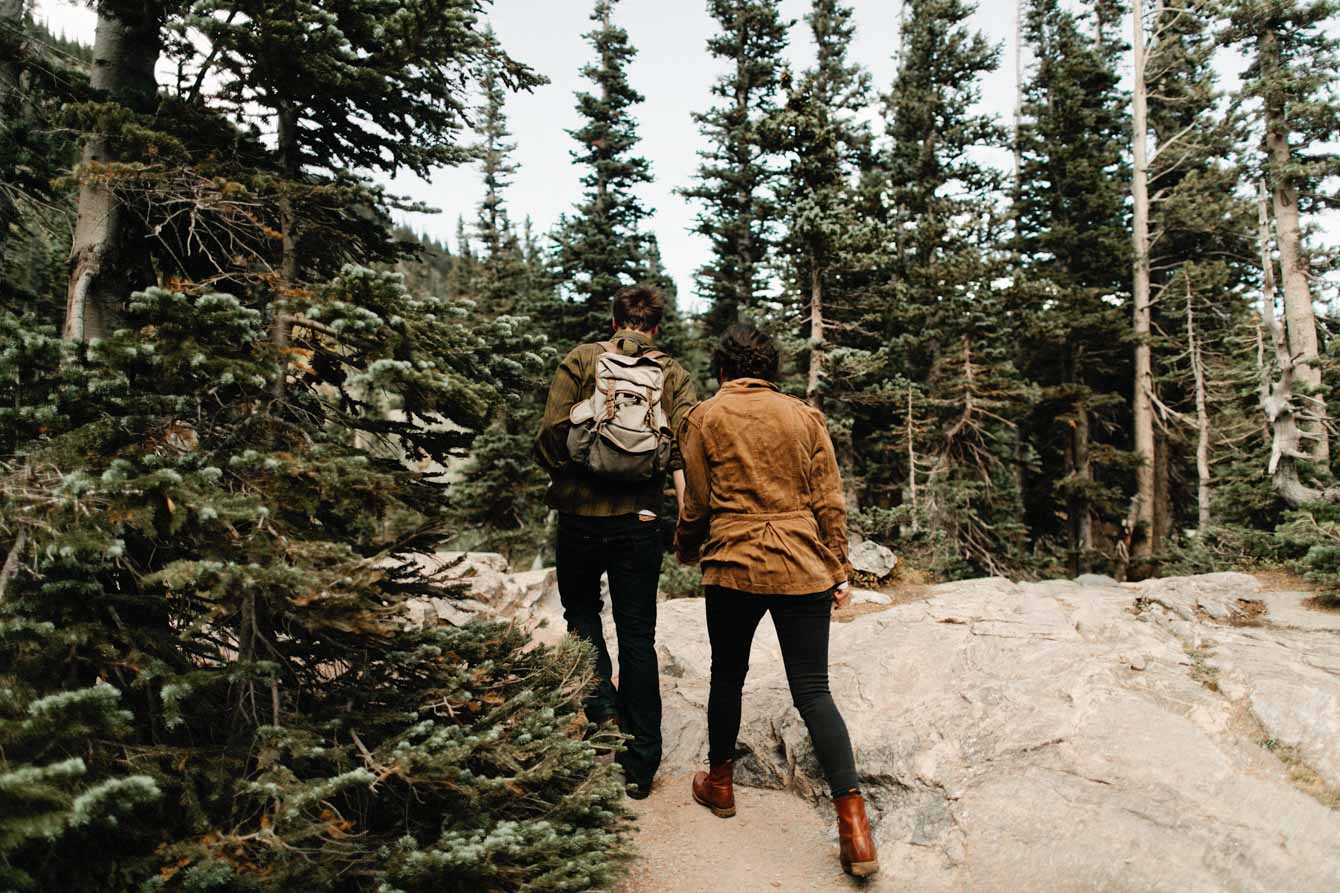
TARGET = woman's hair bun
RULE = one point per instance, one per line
(745, 351)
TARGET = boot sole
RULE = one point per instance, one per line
(861, 869)
(721, 812)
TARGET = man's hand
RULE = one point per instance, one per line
(678, 477)
(842, 595)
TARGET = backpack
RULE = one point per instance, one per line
(620, 432)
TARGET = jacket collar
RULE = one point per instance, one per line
(642, 339)
(748, 384)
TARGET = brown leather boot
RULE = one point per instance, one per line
(716, 789)
(858, 844)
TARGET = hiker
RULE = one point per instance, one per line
(607, 442)
(763, 513)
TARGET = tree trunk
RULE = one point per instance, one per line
(1018, 99)
(912, 493)
(102, 274)
(1145, 536)
(1080, 467)
(1277, 399)
(1203, 490)
(1298, 313)
(290, 268)
(12, 24)
(816, 338)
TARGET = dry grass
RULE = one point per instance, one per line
(1300, 774)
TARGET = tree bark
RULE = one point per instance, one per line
(102, 273)
(1277, 399)
(1144, 541)
(912, 493)
(1203, 488)
(12, 23)
(1298, 312)
(290, 268)
(816, 337)
(1080, 466)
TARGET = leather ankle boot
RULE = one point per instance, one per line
(716, 789)
(858, 844)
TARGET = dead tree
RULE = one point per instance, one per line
(126, 47)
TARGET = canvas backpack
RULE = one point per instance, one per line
(620, 432)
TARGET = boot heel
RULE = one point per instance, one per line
(721, 812)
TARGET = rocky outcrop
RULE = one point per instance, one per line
(1056, 736)
(1179, 734)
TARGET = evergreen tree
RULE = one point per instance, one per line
(946, 315)
(737, 178)
(1202, 275)
(501, 491)
(210, 681)
(599, 246)
(826, 251)
(1074, 238)
(1292, 79)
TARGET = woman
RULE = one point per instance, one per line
(764, 514)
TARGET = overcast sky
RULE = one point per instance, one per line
(672, 70)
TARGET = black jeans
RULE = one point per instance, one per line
(802, 631)
(629, 550)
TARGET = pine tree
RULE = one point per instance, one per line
(1199, 262)
(826, 144)
(599, 246)
(1292, 74)
(945, 313)
(826, 245)
(211, 681)
(737, 178)
(501, 491)
(1074, 238)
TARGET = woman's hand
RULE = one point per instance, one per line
(842, 595)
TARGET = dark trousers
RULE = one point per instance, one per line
(802, 631)
(629, 550)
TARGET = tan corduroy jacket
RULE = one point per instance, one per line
(764, 510)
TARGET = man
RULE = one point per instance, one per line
(611, 526)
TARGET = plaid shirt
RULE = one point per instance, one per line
(574, 490)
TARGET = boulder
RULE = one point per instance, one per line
(1057, 736)
(869, 557)
(1096, 580)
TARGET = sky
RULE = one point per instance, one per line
(672, 70)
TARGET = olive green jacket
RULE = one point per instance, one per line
(575, 490)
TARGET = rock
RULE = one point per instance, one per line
(1096, 580)
(1027, 737)
(869, 597)
(869, 557)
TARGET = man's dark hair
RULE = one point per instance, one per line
(745, 351)
(639, 307)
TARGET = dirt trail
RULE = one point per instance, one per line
(776, 842)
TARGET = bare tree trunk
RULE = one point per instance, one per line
(125, 51)
(912, 464)
(12, 24)
(290, 266)
(816, 337)
(1277, 400)
(1203, 489)
(1079, 465)
(1144, 540)
(1018, 97)
(1298, 312)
